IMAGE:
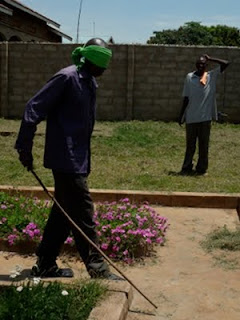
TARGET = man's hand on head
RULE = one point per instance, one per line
(207, 56)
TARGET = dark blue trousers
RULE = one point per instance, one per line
(71, 191)
(197, 132)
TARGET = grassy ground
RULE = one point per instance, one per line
(135, 156)
(224, 245)
(52, 301)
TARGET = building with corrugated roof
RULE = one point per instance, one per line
(20, 23)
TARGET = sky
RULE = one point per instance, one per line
(133, 21)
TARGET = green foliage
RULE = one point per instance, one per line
(193, 33)
(225, 36)
(53, 301)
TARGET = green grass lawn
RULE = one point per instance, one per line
(135, 156)
(52, 301)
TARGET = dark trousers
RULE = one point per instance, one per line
(201, 132)
(72, 192)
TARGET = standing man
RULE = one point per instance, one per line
(67, 102)
(198, 110)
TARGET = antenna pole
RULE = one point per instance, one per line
(78, 22)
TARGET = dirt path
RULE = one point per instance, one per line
(182, 280)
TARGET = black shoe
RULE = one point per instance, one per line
(51, 272)
(107, 275)
(112, 276)
(186, 173)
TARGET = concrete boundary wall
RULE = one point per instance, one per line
(144, 82)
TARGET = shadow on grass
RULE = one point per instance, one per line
(182, 174)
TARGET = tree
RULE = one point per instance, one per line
(164, 37)
(193, 33)
(225, 36)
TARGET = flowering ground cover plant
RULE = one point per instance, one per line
(22, 218)
(126, 230)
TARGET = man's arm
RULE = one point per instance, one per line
(184, 106)
(37, 110)
(223, 63)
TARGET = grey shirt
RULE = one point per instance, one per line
(202, 98)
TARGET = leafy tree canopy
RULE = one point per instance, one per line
(193, 33)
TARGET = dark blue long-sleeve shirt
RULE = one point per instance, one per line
(68, 103)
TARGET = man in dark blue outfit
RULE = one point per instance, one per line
(68, 102)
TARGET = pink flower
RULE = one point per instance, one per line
(148, 240)
(123, 208)
(159, 240)
(126, 200)
(104, 246)
(11, 239)
(115, 248)
(104, 228)
(30, 233)
(36, 232)
(118, 239)
(69, 240)
(128, 260)
(118, 230)
(31, 225)
(109, 216)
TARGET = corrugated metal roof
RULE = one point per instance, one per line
(6, 10)
(17, 4)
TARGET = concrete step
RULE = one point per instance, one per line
(116, 304)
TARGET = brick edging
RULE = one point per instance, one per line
(172, 199)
